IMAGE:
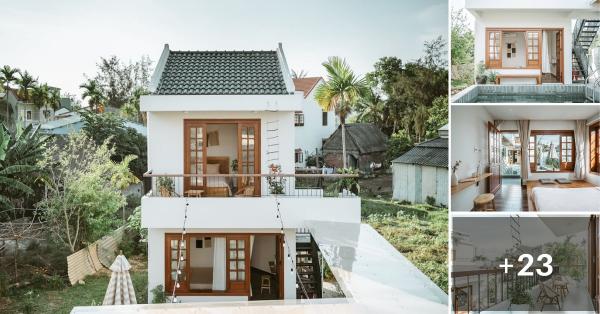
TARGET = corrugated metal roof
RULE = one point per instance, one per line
(222, 73)
(430, 153)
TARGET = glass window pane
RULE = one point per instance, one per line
(241, 265)
(232, 265)
(232, 244)
(242, 275)
(241, 254)
(233, 254)
(241, 244)
(232, 275)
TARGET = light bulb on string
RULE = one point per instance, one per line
(177, 285)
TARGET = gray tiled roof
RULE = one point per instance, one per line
(430, 153)
(222, 73)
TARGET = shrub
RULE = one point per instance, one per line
(398, 144)
(430, 200)
(158, 295)
(29, 303)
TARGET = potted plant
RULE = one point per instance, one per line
(276, 183)
(348, 184)
(234, 166)
(481, 77)
(491, 77)
(166, 186)
(454, 178)
(520, 298)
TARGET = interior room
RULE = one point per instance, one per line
(264, 272)
(554, 169)
(221, 156)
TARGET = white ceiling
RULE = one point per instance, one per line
(543, 112)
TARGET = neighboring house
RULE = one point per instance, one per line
(313, 125)
(422, 172)
(365, 144)
(535, 42)
(28, 113)
(221, 227)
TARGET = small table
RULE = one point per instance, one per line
(194, 193)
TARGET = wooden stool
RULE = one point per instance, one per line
(265, 283)
(482, 202)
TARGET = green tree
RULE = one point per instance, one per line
(438, 116)
(131, 109)
(20, 151)
(39, 95)
(398, 144)
(339, 92)
(84, 194)
(8, 76)
(125, 141)
(26, 82)
(462, 50)
(54, 99)
(370, 108)
(92, 90)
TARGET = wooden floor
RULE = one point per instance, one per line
(572, 185)
(257, 292)
(549, 78)
(511, 196)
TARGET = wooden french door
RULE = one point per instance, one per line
(175, 247)
(494, 157)
(195, 154)
(238, 263)
(534, 48)
(559, 56)
(279, 265)
(249, 156)
(593, 265)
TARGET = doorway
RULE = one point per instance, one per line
(266, 265)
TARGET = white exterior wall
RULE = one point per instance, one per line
(165, 138)
(469, 144)
(524, 19)
(156, 261)
(414, 183)
(310, 136)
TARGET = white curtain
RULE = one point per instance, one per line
(219, 263)
(580, 129)
(249, 270)
(524, 131)
(546, 57)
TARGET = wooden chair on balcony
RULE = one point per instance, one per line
(247, 191)
(548, 296)
(265, 283)
(560, 285)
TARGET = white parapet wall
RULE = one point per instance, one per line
(248, 212)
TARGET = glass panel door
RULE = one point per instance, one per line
(176, 263)
(533, 48)
(195, 156)
(249, 157)
(238, 263)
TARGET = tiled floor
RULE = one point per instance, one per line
(511, 196)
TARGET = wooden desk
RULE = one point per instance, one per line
(463, 185)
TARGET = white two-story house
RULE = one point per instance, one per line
(227, 218)
(313, 125)
(535, 42)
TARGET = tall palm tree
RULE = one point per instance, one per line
(26, 82)
(9, 75)
(54, 99)
(299, 75)
(340, 92)
(92, 90)
(39, 95)
(370, 108)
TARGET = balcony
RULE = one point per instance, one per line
(249, 201)
(252, 185)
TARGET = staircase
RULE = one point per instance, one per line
(307, 266)
(584, 33)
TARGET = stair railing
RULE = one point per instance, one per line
(595, 83)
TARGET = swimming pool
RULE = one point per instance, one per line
(555, 93)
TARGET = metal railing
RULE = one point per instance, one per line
(252, 185)
(478, 290)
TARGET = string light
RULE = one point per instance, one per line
(299, 282)
(180, 253)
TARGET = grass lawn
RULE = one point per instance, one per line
(33, 300)
(419, 232)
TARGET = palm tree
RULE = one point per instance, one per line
(340, 92)
(92, 90)
(299, 75)
(370, 108)
(39, 95)
(54, 99)
(26, 82)
(9, 75)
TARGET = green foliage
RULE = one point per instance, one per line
(158, 295)
(348, 184)
(430, 200)
(125, 141)
(93, 91)
(166, 186)
(85, 191)
(311, 160)
(398, 144)
(419, 232)
(568, 256)
(437, 116)
(29, 303)
(462, 39)
(519, 295)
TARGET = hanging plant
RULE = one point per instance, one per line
(276, 183)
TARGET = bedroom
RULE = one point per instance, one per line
(556, 170)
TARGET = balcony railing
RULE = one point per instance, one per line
(252, 185)
(478, 290)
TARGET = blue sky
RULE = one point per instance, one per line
(60, 40)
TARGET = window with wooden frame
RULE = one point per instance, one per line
(299, 118)
(493, 57)
(175, 249)
(552, 151)
(594, 144)
(533, 48)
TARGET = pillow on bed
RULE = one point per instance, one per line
(212, 169)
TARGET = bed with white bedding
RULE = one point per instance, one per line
(566, 199)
